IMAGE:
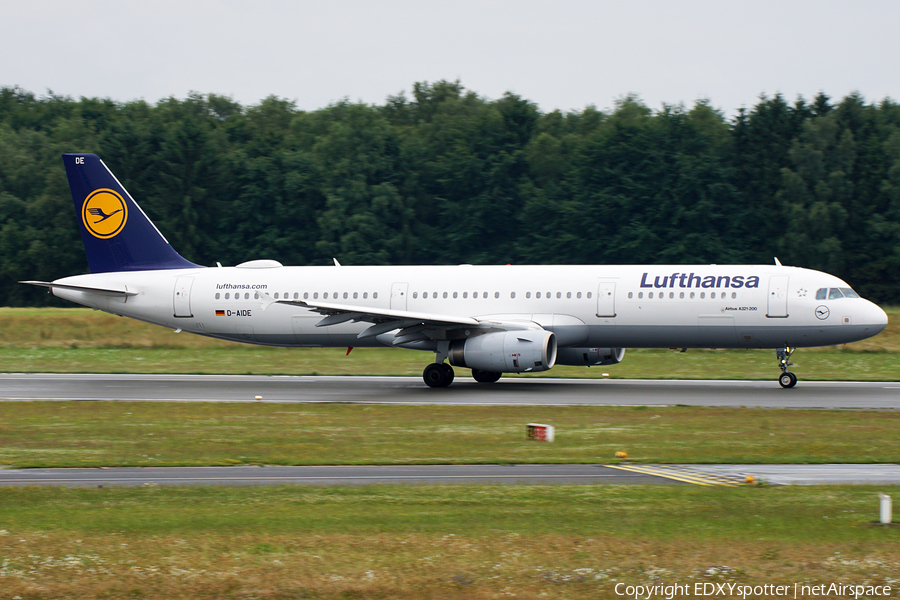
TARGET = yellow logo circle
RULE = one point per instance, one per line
(104, 213)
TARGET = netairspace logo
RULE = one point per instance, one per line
(736, 590)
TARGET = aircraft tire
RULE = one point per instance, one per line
(787, 380)
(437, 375)
(485, 376)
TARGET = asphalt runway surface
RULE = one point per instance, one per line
(411, 390)
(624, 474)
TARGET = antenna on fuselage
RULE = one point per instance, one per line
(778, 262)
(336, 263)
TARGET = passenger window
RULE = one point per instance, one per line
(474, 294)
(733, 295)
(445, 294)
(512, 294)
(681, 295)
(455, 294)
(848, 293)
(568, 294)
(834, 294)
(315, 295)
(713, 295)
(365, 295)
(692, 295)
(630, 295)
(702, 295)
(465, 294)
(325, 296)
(650, 295)
(276, 295)
(528, 294)
(306, 295)
(538, 295)
(355, 295)
(559, 294)
(496, 294)
(297, 295)
(227, 295)
(640, 294)
(821, 293)
(375, 294)
(589, 294)
(578, 295)
(671, 294)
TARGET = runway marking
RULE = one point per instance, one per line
(683, 474)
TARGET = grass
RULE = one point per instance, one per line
(47, 434)
(433, 542)
(76, 340)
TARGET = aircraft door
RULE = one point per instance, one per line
(182, 297)
(606, 299)
(778, 288)
(398, 296)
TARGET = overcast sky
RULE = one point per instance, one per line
(560, 55)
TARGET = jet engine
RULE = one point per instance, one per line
(522, 351)
(581, 357)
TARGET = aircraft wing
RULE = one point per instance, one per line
(413, 326)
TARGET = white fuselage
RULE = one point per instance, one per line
(649, 306)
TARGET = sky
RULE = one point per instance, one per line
(560, 54)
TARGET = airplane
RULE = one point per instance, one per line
(490, 319)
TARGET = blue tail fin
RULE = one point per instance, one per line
(117, 234)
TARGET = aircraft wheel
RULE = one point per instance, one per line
(448, 374)
(787, 380)
(485, 376)
(437, 375)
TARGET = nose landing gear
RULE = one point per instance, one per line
(786, 379)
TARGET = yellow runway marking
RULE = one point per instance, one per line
(683, 474)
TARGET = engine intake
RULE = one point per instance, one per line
(506, 352)
(580, 357)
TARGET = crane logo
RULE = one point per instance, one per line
(104, 213)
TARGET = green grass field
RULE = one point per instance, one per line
(559, 542)
(75, 340)
(48, 434)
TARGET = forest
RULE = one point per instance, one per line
(445, 176)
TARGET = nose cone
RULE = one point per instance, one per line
(876, 318)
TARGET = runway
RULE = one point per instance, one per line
(411, 390)
(704, 475)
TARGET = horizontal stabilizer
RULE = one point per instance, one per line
(83, 288)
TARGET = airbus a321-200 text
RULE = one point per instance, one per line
(490, 319)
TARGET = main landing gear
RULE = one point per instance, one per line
(438, 375)
(787, 379)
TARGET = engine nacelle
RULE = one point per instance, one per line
(506, 352)
(586, 357)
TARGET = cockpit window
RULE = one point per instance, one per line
(835, 293)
